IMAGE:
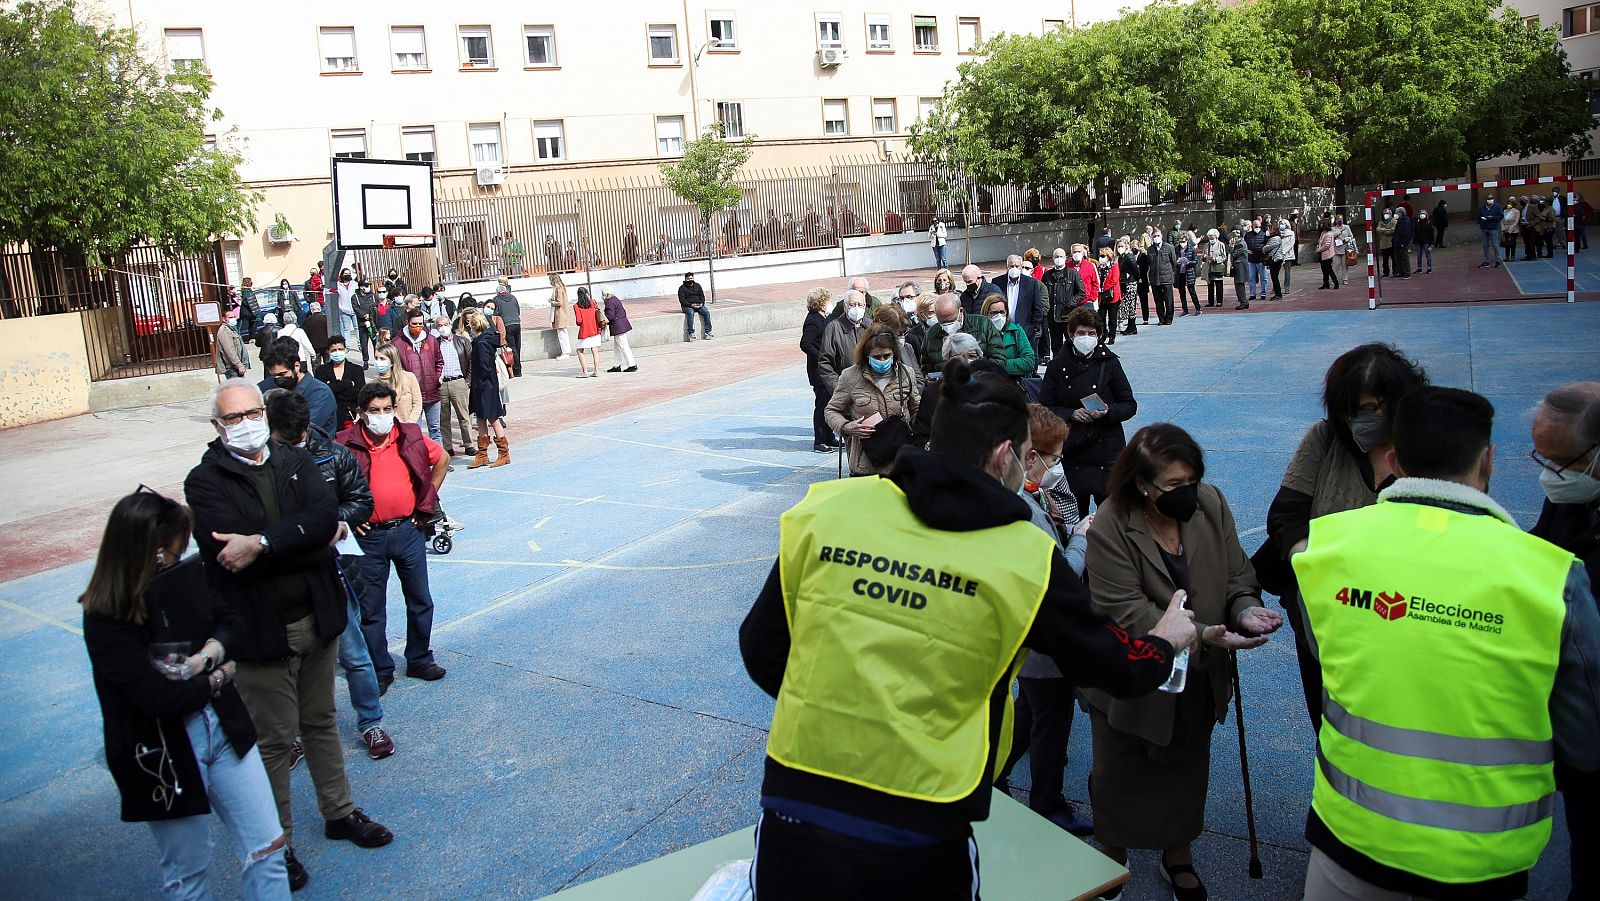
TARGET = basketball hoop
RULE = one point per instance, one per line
(408, 239)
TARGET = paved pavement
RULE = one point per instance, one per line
(596, 714)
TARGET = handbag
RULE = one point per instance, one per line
(506, 356)
(890, 434)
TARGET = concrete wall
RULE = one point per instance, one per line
(44, 369)
(910, 250)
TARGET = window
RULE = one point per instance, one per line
(925, 33)
(477, 47)
(669, 135)
(721, 29)
(829, 34)
(338, 49)
(1531, 20)
(1581, 20)
(417, 144)
(730, 113)
(409, 47)
(185, 48)
(878, 40)
(1054, 25)
(211, 142)
(549, 141)
(485, 140)
(541, 41)
(663, 45)
(835, 117)
(968, 35)
(883, 119)
(925, 107)
(350, 143)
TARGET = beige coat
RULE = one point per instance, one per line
(408, 405)
(857, 397)
(1129, 582)
(560, 308)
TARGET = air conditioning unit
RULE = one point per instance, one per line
(830, 56)
(490, 175)
(276, 235)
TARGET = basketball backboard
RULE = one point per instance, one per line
(373, 198)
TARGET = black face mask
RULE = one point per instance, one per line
(285, 382)
(1180, 503)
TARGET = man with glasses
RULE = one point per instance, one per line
(287, 370)
(265, 521)
(1566, 445)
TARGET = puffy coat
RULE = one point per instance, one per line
(343, 474)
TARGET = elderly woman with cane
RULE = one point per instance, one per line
(1162, 531)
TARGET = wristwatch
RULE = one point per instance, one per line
(210, 663)
(266, 546)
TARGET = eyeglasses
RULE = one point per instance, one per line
(1050, 460)
(253, 414)
(1550, 464)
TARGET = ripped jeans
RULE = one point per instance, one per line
(241, 795)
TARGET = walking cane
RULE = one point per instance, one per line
(1244, 767)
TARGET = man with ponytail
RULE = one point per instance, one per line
(889, 630)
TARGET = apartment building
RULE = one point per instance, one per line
(1580, 37)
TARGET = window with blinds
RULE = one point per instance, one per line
(409, 46)
(349, 143)
(417, 143)
(835, 117)
(485, 140)
(883, 117)
(338, 49)
(925, 33)
(550, 141)
(185, 48)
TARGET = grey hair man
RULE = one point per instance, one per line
(840, 337)
(947, 309)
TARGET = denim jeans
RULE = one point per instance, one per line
(938, 257)
(1491, 245)
(688, 320)
(241, 795)
(356, 660)
(430, 415)
(1258, 279)
(1424, 257)
(404, 546)
(348, 328)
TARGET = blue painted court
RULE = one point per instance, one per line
(596, 714)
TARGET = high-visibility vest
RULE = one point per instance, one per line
(898, 635)
(1438, 634)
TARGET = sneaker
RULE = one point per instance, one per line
(706, 336)
(359, 829)
(821, 448)
(298, 877)
(297, 753)
(687, 338)
(631, 369)
(379, 744)
(427, 672)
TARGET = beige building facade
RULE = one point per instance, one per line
(501, 96)
(1579, 27)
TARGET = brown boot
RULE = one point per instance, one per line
(503, 445)
(482, 459)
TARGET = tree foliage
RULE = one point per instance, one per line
(704, 175)
(101, 148)
(1315, 87)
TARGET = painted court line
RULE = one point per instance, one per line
(40, 617)
(686, 450)
(580, 564)
(577, 500)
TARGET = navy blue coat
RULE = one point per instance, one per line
(1030, 304)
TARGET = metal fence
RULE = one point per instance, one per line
(138, 309)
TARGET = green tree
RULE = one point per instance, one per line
(101, 148)
(704, 176)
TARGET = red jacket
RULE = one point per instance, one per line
(1091, 278)
(412, 450)
(425, 361)
(1114, 275)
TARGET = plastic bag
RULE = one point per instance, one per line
(731, 882)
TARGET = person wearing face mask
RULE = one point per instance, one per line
(949, 320)
(344, 303)
(1033, 263)
(1422, 239)
(1255, 242)
(178, 742)
(422, 355)
(1341, 464)
(344, 377)
(918, 310)
(974, 288)
(944, 282)
(1163, 276)
(286, 369)
(1162, 530)
(899, 325)
(692, 300)
(819, 304)
(1109, 276)
(265, 520)
(1460, 661)
(1211, 261)
(1016, 348)
(405, 469)
(1401, 242)
(869, 794)
(1065, 291)
(938, 237)
(1024, 297)
(874, 402)
(386, 369)
(839, 340)
(1566, 444)
(230, 361)
(1087, 387)
(454, 388)
(1128, 269)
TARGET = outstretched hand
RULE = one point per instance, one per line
(1177, 624)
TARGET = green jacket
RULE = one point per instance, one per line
(976, 325)
(1020, 361)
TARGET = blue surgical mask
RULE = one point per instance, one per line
(336, 356)
(881, 367)
(380, 366)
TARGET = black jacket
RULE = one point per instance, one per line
(1090, 648)
(343, 474)
(1402, 232)
(345, 390)
(1574, 528)
(1255, 241)
(224, 500)
(1067, 381)
(972, 296)
(922, 427)
(690, 294)
(1064, 290)
(811, 341)
(142, 707)
(1422, 233)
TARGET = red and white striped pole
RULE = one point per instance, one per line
(1372, 270)
(1572, 247)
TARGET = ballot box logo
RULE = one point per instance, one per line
(1390, 605)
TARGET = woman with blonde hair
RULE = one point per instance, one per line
(484, 401)
(560, 315)
(387, 369)
(944, 282)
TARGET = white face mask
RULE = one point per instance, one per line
(1077, 256)
(1085, 344)
(1060, 262)
(855, 313)
(827, 308)
(909, 306)
(999, 320)
(1015, 272)
(1155, 239)
(380, 423)
(247, 438)
(932, 320)
(1571, 487)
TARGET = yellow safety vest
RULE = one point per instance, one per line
(1438, 633)
(898, 636)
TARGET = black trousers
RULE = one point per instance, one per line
(1213, 292)
(1438, 233)
(1187, 293)
(1087, 482)
(1058, 336)
(1580, 795)
(514, 338)
(1144, 301)
(1549, 241)
(1042, 727)
(795, 860)
(819, 423)
(1276, 267)
(1163, 302)
(1385, 257)
(1530, 244)
(1108, 321)
(1402, 262)
(1329, 278)
(1239, 292)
